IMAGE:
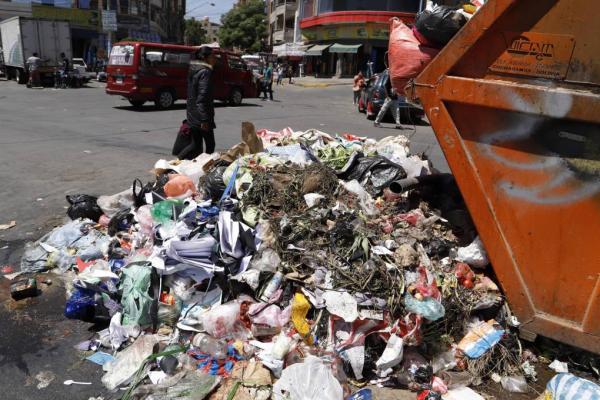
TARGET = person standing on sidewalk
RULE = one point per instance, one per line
(359, 84)
(290, 74)
(390, 103)
(33, 66)
(280, 75)
(267, 82)
(200, 105)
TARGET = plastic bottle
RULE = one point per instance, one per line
(272, 286)
(209, 345)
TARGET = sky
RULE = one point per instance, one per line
(205, 9)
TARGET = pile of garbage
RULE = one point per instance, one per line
(296, 265)
(412, 49)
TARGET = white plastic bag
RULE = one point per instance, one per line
(128, 361)
(473, 254)
(392, 356)
(367, 204)
(310, 380)
(116, 202)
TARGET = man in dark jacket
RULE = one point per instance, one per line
(200, 107)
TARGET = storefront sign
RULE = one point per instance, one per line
(130, 20)
(83, 18)
(363, 31)
(109, 21)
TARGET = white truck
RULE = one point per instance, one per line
(23, 36)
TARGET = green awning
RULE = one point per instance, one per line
(345, 48)
(317, 50)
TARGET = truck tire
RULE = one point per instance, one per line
(20, 76)
(137, 103)
(164, 99)
(236, 97)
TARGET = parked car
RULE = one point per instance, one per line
(143, 72)
(373, 96)
(80, 66)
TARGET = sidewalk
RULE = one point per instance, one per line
(312, 82)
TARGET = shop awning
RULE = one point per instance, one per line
(345, 48)
(317, 50)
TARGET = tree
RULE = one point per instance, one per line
(194, 34)
(244, 27)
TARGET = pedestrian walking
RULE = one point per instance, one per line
(200, 105)
(33, 66)
(390, 103)
(267, 82)
(359, 84)
(290, 74)
(280, 75)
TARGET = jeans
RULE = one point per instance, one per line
(389, 104)
(357, 94)
(267, 88)
(199, 138)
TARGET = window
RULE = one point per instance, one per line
(236, 62)
(124, 7)
(121, 55)
(155, 58)
(372, 5)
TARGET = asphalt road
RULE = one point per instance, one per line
(59, 142)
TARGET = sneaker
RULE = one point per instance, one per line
(377, 125)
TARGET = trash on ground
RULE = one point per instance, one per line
(11, 224)
(284, 265)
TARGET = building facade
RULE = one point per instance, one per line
(282, 21)
(211, 29)
(352, 35)
(149, 20)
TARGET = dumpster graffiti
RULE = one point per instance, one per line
(561, 181)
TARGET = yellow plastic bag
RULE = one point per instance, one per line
(300, 308)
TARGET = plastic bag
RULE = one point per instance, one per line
(429, 308)
(392, 356)
(514, 384)
(81, 305)
(166, 211)
(374, 171)
(135, 283)
(111, 205)
(310, 380)
(83, 206)
(224, 321)
(406, 54)
(366, 202)
(440, 24)
(214, 184)
(179, 186)
(474, 254)
(183, 139)
(480, 338)
(128, 361)
(571, 387)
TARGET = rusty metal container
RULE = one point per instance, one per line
(514, 100)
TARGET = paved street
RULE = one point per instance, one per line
(59, 142)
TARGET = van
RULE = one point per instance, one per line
(142, 72)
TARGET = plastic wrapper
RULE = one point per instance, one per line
(128, 361)
(271, 315)
(81, 305)
(480, 338)
(310, 380)
(463, 393)
(367, 204)
(408, 57)
(83, 206)
(571, 387)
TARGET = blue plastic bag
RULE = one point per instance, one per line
(81, 305)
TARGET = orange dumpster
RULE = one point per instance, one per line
(514, 100)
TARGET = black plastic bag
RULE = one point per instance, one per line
(376, 172)
(155, 188)
(214, 184)
(183, 140)
(440, 25)
(84, 206)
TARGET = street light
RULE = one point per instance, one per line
(201, 5)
